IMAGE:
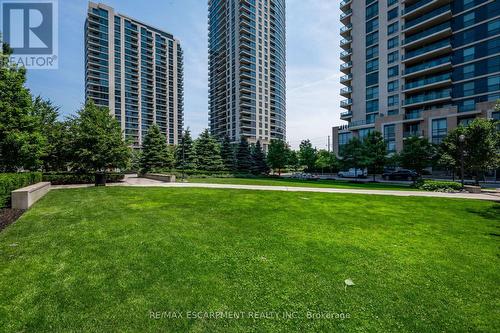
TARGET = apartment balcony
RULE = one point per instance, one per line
(346, 16)
(344, 5)
(346, 43)
(428, 98)
(436, 16)
(413, 133)
(360, 123)
(346, 115)
(426, 52)
(413, 115)
(428, 67)
(346, 67)
(346, 79)
(433, 82)
(346, 92)
(345, 31)
(421, 7)
(346, 103)
(427, 36)
(346, 55)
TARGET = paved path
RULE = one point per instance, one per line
(135, 181)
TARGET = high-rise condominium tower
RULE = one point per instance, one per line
(417, 68)
(136, 71)
(247, 69)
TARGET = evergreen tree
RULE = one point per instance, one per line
(277, 155)
(228, 154)
(185, 155)
(259, 162)
(22, 143)
(243, 157)
(208, 153)
(156, 155)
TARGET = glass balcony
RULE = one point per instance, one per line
(427, 32)
(427, 17)
(346, 28)
(345, 42)
(426, 49)
(413, 115)
(428, 96)
(416, 5)
(413, 133)
(345, 15)
(345, 66)
(344, 3)
(361, 123)
(346, 103)
(346, 78)
(345, 54)
(427, 65)
(428, 81)
(346, 91)
(347, 114)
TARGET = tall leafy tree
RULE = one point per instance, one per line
(185, 155)
(22, 144)
(307, 155)
(228, 154)
(97, 142)
(208, 153)
(326, 161)
(352, 155)
(243, 157)
(481, 147)
(259, 162)
(156, 155)
(417, 154)
(293, 160)
(277, 155)
(374, 153)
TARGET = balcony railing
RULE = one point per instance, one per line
(345, 41)
(346, 90)
(345, 53)
(416, 5)
(346, 114)
(346, 28)
(346, 65)
(428, 48)
(413, 133)
(346, 102)
(345, 78)
(427, 81)
(361, 123)
(425, 17)
(427, 32)
(429, 96)
(345, 14)
(427, 65)
(413, 115)
(344, 3)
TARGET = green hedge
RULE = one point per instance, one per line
(439, 186)
(69, 178)
(13, 181)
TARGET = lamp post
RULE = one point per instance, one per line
(461, 140)
(183, 157)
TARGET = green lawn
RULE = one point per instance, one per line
(101, 259)
(345, 184)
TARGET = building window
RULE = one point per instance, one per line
(391, 2)
(393, 112)
(393, 42)
(372, 92)
(362, 133)
(372, 52)
(372, 106)
(393, 71)
(392, 14)
(469, 53)
(393, 28)
(372, 25)
(393, 86)
(467, 105)
(466, 121)
(468, 88)
(371, 65)
(390, 137)
(372, 79)
(372, 11)
(372, 39)
(392, 57)
(371, 118)
(344, 138)
(393, 100)
(439, 130)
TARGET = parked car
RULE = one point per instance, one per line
(402, 174)
(305, 175)
(353, 173)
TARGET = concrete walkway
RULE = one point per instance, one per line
(134, 181)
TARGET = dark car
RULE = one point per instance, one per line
(402, 174)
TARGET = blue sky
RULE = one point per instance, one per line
(312, 60)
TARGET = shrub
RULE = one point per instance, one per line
(69, 178)
(13, 181)
(439, 186)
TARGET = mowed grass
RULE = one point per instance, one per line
(343, 184)
(104, 259)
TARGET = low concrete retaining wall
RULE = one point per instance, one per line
(160, 177)
(25, 197)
